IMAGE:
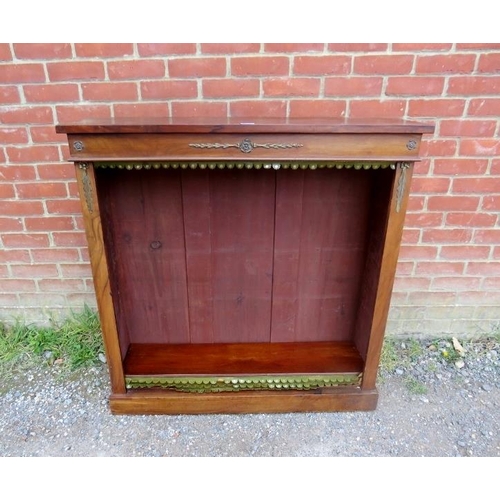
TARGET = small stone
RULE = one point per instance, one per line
(486, 387)
(403, 345)
(459, 363)
(399, 371)
(48, 354)
(102, 357)
(424, 399)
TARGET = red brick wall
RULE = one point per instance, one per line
(449, 272)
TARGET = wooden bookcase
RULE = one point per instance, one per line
(243, 266)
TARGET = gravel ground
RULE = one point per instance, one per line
(429, 406)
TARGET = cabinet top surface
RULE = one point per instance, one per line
(151, 125)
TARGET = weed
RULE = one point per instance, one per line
(73, 343)
(415, 386)
(389, 358)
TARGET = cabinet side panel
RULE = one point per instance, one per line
(321, 219)
(146, 246)
(379, 210)
(229, 223)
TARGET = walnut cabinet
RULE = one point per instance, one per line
(243, 266)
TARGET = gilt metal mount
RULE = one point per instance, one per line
(245, 146)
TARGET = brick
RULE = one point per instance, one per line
(383, 65)
(26, 114)
(459, 166)
(495, 167)
(20, 207)
(468, 128)
(51, 93)
(13, 135)
(416, 203)
(414, 85)
(436, 107)
(55, 255)
(420, 47)
(492, 283)
(419, 252)
(294, 47)
(439, 268)
(10, 256)
(34, 271)
(75, 270)
(484, 107)
(8, 299)
(61, 285)
(169, 89)
(411, 283)
(439, 147)
(56, 171)
(353, 86)
(18, 285)
(45, 134)
(64, 207)
(357, 47)
(320, 107)
(453, 203)
(466, 252)
(41, 190)
(452, 63)
(9, 95)
(259, 66)
(25, 240)
(410, 236)
(75, 70)
(485, 236)
(73, 190)
(491, 203)
(226, 87)
(199, 108)
(32, 154)
(258, 108)
(322, 65)
(430, 185)
(478, 46)
(476, 185)
(197, 67)
(136, 69)
(69, 113)
(49, 224)
(479, 147)
(141, 109)
(428, 219)
(229, 48)
(404, 268)
(115, 91)
(165, 49)
(422, 167)
(22, 73)
(7, 191)
(5, 54)
(489, 63)
(103, 50)
(9, 224)
(455, 283)
(376, 109)
(483, 268)
(17, 173)
(284, 87)
(42, 50)
(473, 85)
(69, 239)
(446, 235)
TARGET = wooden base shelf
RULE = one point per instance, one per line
(243, 267)
(242, 358)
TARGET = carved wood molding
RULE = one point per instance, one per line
(245, 146)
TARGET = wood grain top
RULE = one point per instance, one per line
(223, 125)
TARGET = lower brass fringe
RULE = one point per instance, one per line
(244, 383)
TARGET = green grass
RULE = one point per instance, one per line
(415, 386)
(73, 343)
